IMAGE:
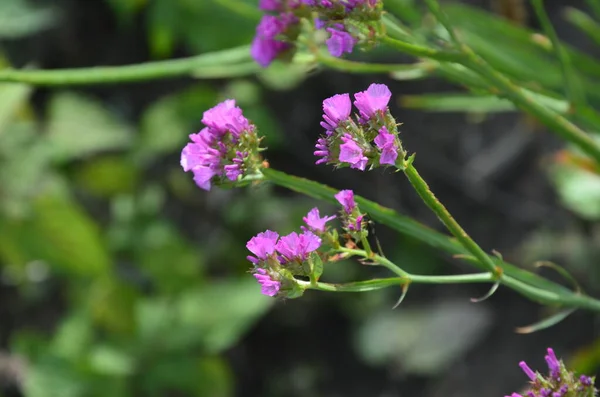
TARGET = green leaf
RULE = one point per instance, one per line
(464, 102)
(51, 377)
(19, 19)
(188, 375)
(545, 323)
(213, 316)
(107, 176)
(80, 126)
(58, 232)
(13, 97)
(111, 361)
(426, 340)
(584, 22)
(578, 189)
(73, 337)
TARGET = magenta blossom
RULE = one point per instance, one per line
(314, 221)
(374, 99)
(262, 245)
(336, 109)
(297, 247)
(267, 44)
(346, 199)
(214, 152)
(352, 154)
(340, 41)
(226, 117)
(322, 151)
(386, 142)
(269, 286)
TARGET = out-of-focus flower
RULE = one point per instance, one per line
(340, 41)
(560, 382)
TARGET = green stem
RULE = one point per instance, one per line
(422, 52)
(127, 73)
(377, 259)
(443, 214)
(454, 279)
(524, 282)
(416, 70)
(572, 87)
(358, 286)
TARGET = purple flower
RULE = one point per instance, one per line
(514, 395)
(527, 370)
(374, 99)
(553, 364)
(262, 245)
(336, 109)
(346, 199)
(269, 286)
(386, 142)
(322, 151)
(585, 380)
(233, 171)
(294, 246)
(339, 42)
(351, 153)
(226, 117)
(265, 46)
(201, 158)
(315, 222)
(270, 5)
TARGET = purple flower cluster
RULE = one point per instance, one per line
(277, 34)
(276, 258)
(371, 139)
(351, 216)
(227, 147)
(559, 382)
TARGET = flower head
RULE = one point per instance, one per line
(218, 150)
(374, 99)
(314, 221)
(346, 199)
(336, 109)
(560, 382)
(386, 142)
(267, 43)
(340, 41)
(269, 286)
(262, 245)
(297, 247)
(352, 154)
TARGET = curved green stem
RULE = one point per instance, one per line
(444, 215)
(358, 286)
(422, 52)
(131, 73)
(415, 71)
(375, 258)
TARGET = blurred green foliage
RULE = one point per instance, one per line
(153, 297)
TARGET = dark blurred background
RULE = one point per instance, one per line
(118, 276)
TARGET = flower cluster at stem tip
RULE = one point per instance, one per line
(278, 261)
(369, 140)
(277, 33)
(227, 148)
(560, 382)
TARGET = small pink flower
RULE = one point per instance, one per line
(374, 99)
(352, 154)
(269, 287)
(315, 222)
(346, 199)
(262, 245)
